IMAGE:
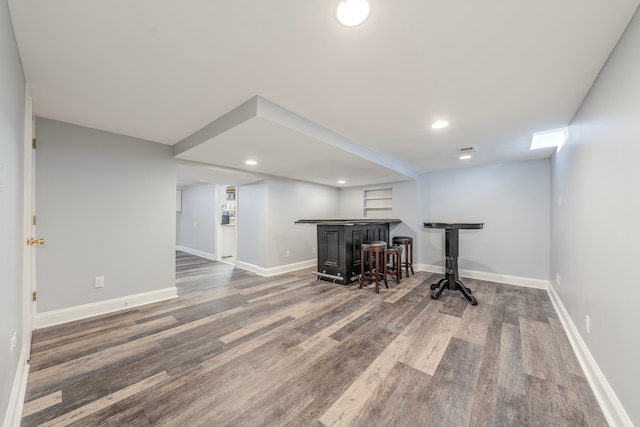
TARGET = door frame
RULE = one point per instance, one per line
(28, 260)
(221, 193)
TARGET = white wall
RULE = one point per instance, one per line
(512, 199)
(267, 212)
(106, 206)
(197, 221)
(595, 233)
(12, 107)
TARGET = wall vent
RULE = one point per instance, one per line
(471, 149)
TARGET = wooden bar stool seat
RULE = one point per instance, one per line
(377, 265)
(407, 242)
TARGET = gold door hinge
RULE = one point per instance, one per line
(33, 143)
(33, 296)
(34, 220)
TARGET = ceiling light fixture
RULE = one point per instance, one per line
(251, 162)
(342, 181)
(440, 124)
(465, 157)
(351, 13)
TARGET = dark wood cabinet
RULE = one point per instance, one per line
(339, 244)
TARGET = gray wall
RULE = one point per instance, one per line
(595, 235)
(12, 87)
(196, 222)
(267, 212)
(106, 206)
(252, 217)
(290, 201)
(512, 199)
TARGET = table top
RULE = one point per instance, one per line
(456, 225)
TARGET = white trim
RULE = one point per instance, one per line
(609, 403)
(491, 277)
(28, 256)
(196, 252)
(16, 400)
(276, 270)
(84, 311)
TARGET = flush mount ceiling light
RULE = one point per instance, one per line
(351, 13)
(440, 124)
(465, 157)
(251, 162)
(549, 138)
(342, 181)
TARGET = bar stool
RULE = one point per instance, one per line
(394, 266)
(377, 252)
(407, 242)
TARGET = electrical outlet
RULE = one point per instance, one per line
(558, 279)
(313, 250)
(98, 282)
(13, 341)
(288, 254)
(587, 323)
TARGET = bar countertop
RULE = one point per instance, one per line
(349, 221)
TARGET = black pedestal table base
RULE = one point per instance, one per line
(451, 279)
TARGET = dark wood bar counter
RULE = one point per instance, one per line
(339, 243)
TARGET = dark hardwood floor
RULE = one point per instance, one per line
(236, 349)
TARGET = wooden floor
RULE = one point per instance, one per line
(236, 349)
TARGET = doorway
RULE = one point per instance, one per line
(227, 247)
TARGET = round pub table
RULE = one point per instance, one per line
(451, 279)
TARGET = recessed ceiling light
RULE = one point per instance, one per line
(342, 181)
(251, 162)
(465, 157)
(440, 124)
(549, 138)
(351, 13)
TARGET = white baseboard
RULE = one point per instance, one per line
(276, 270)
(84, 311)
(490, 277)
(196, 252)
(609, 403)
(16, 400)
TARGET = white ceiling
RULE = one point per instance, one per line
(497, 70)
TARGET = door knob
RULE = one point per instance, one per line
(33, 241)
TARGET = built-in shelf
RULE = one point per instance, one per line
(379, 199)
